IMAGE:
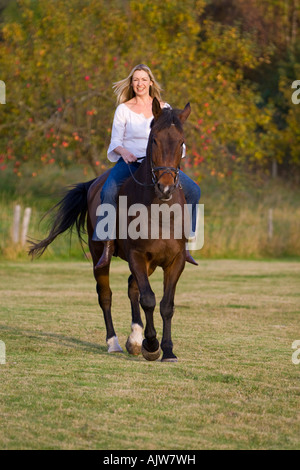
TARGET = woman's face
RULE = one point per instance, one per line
(141, 83)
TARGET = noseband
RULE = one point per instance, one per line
(167, 170)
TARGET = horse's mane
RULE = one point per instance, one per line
(168, 117)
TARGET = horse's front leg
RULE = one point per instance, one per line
(138, 267)
(171, 276)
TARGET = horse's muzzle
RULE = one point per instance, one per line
(164, 192)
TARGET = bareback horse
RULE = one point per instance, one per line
(155, 182)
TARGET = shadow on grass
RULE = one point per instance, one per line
(68, 341)
(56, 338)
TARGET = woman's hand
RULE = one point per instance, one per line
(127, 156)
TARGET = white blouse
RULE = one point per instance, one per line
(131, 131)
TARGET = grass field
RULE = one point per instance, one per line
(234, 387)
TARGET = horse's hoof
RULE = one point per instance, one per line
(113, 345)
(151, 356)
(169, 357)
(135, 339)
(133, 348)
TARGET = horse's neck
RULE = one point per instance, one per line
(140, 191)
(145, 171)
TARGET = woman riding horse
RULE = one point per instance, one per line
(156, 134)
(129, 139)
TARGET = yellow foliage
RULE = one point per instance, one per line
(55, 45)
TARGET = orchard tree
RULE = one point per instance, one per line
(60, 58)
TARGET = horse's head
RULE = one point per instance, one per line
(165, 148)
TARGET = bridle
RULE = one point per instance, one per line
(166, 170)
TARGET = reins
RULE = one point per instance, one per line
(138, 182)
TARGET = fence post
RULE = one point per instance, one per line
(270, 224)
(274, 168)
(25, 225)
(16, 223)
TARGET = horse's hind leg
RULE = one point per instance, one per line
(135, 339)
(104, 298)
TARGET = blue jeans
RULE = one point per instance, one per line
(119, 174)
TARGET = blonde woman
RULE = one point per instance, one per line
(129, 139)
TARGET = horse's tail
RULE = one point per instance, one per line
(70, 211)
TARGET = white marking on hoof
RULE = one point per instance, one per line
(135, 339)
(113, 345)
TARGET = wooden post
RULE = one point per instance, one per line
(25, 225)
(270, 224)
(274, 169)
(16, 224)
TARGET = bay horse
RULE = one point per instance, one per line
(154, 182)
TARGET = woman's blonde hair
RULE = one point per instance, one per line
(124, 91)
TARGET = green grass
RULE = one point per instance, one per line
(234, 387)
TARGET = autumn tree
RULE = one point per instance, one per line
(60, 58)
(274, 29)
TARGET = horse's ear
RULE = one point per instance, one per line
(156, 108)
(185, 113)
